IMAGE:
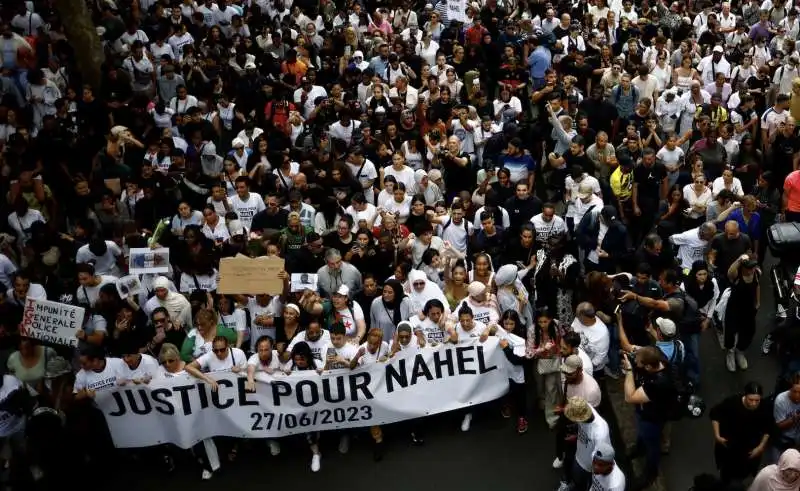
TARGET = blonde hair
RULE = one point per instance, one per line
(168, 349)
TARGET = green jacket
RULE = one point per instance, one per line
(187, 349)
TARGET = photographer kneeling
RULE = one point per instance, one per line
(649, 385)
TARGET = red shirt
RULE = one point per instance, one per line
(791, 186)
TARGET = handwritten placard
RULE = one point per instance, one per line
(247, 276)
(304, 281)
(51, 322)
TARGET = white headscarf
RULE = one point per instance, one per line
(431, 291)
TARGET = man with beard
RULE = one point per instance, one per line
(522, 207)
(272, 218)
(600, 112)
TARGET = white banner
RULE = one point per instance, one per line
(51, 322)
(184, 410)
(457, 10)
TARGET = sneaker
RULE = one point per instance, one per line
(465, 424)
(274, 448)
(730, 361)
(766, 344)
(741, 361)
(505, 411)
(610, 373)
(344, 444)
(522, 426)
(563, 486)
(316, 462)
(417, 440)
(558, 463)
(207, 475)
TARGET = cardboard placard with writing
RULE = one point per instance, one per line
(247, 276)
(51, 322)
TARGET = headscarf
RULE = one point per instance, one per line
(511, 293)
(175, 303)
(770, 478)
(704, 295)
(431, 291)
(394, 305)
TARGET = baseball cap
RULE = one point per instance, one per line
(343, 290)
(667, 328)
(476, 288)
(572, 364)
(718, 49)
(603, 452)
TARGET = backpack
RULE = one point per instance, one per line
(587, 229)
(691, 322)
(679, 380)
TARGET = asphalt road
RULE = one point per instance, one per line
(491, 455)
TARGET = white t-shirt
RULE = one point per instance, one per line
(273, 365)
(248, 208)
(148, 368)
(22, 224)
(89, 294)
(432, 332)
(691, 247)
(190, 282)
(404, 175)
(477, 329)
(350, 318)
(105, 264)
(368, 214)
(237, 321)
(105, 379)
(670, 158)
(10, 423)
(347, 352)
(615, 481)
(274, 309)
(370, 358)
(318, 347)
(368, 173)
(545, 230)
(589, 435)
(235, 357)
(456, 233)
(595, 341)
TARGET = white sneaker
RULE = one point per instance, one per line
(766, 344)
(730, 360)
(558, 463)
(344, 444)
(465, 424)
(741, 361)
(207, 475)
(274, 448)
(316, 462)
(563, 486)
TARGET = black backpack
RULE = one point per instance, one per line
(587, 230)
(691, 322)
(676, 371)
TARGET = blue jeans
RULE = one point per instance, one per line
(691, 345)
(613, 348)
(648, 439)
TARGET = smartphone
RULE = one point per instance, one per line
(616, 311)
(347, 50)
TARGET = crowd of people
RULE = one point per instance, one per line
(594, 181)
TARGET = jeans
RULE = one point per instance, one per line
(691, 345)
(613, 348)
(648, 439)
(579, 478)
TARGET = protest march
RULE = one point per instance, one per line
(287, 228)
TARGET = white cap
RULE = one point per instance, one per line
(666, 327)
(358, 54)
(343, 290)
(718, 49)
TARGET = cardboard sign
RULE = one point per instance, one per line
(144, 260)
(247, 276)
(51, 322)
(304, 281)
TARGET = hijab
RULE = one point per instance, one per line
(511, 293)
(429, 292)
(770, 478)
(394, 305)
(175, 303)
(700, 295)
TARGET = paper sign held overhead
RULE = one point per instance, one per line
(247, 276)
(144, 260)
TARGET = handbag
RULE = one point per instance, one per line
(546, 366)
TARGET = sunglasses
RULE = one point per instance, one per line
(219, 350)
(419, 283)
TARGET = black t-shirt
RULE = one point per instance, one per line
(583, 160)
(662, 394)
(649, 181)
(601, 114)
(729, 251)
(760, 99)
(783, 150)
(743, 428)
